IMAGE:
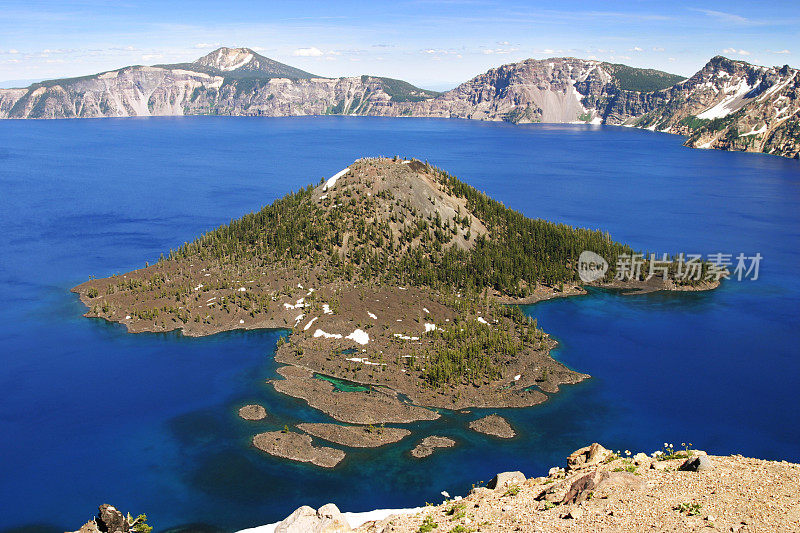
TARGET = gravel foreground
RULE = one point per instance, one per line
(600, 491)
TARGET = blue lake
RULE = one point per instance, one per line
(90, 414)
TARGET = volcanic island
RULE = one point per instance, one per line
(397, 285)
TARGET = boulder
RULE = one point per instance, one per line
(110, 520)
(619, 480)
(327, 519)
(582, 488)
(554, 492)
(506, 478)
(88, 527)
(641, 459)
(700, 463)
(587, 456)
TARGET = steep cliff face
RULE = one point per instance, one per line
(729, 105)
(529, 91)
(228, 81)
(549, 90)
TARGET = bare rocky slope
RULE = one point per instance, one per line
(729, 105)
(602, 491)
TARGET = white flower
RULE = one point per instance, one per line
(665, 445)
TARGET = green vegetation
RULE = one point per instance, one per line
(427, 525)
(139, 525)
(641, 79)
(513, 490)
(689, 508)
(692, 122)
(519, 113)
(627, 467)
(402, 91)
(520, 253)
(585, 117)
(471, 352)
(457, 511)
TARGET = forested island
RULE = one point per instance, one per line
(394, 280)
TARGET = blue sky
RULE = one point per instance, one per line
(434, 43)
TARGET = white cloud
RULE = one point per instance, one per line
(13, 51)
(148, 57)
(499, 51)
(735, 51)
(635, 49)
(779, 51)
(721, 16)
(308, 52)
(207, 45)
(658, 49)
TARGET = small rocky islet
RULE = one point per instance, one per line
(253, 412)
(494, 425)
(428, 445)
(392, 275)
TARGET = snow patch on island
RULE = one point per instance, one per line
(360, 336)
(320, 333)
(332, 180)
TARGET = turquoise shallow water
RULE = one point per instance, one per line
(91, 414)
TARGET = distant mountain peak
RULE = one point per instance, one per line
(227, 59)
(245, 63)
